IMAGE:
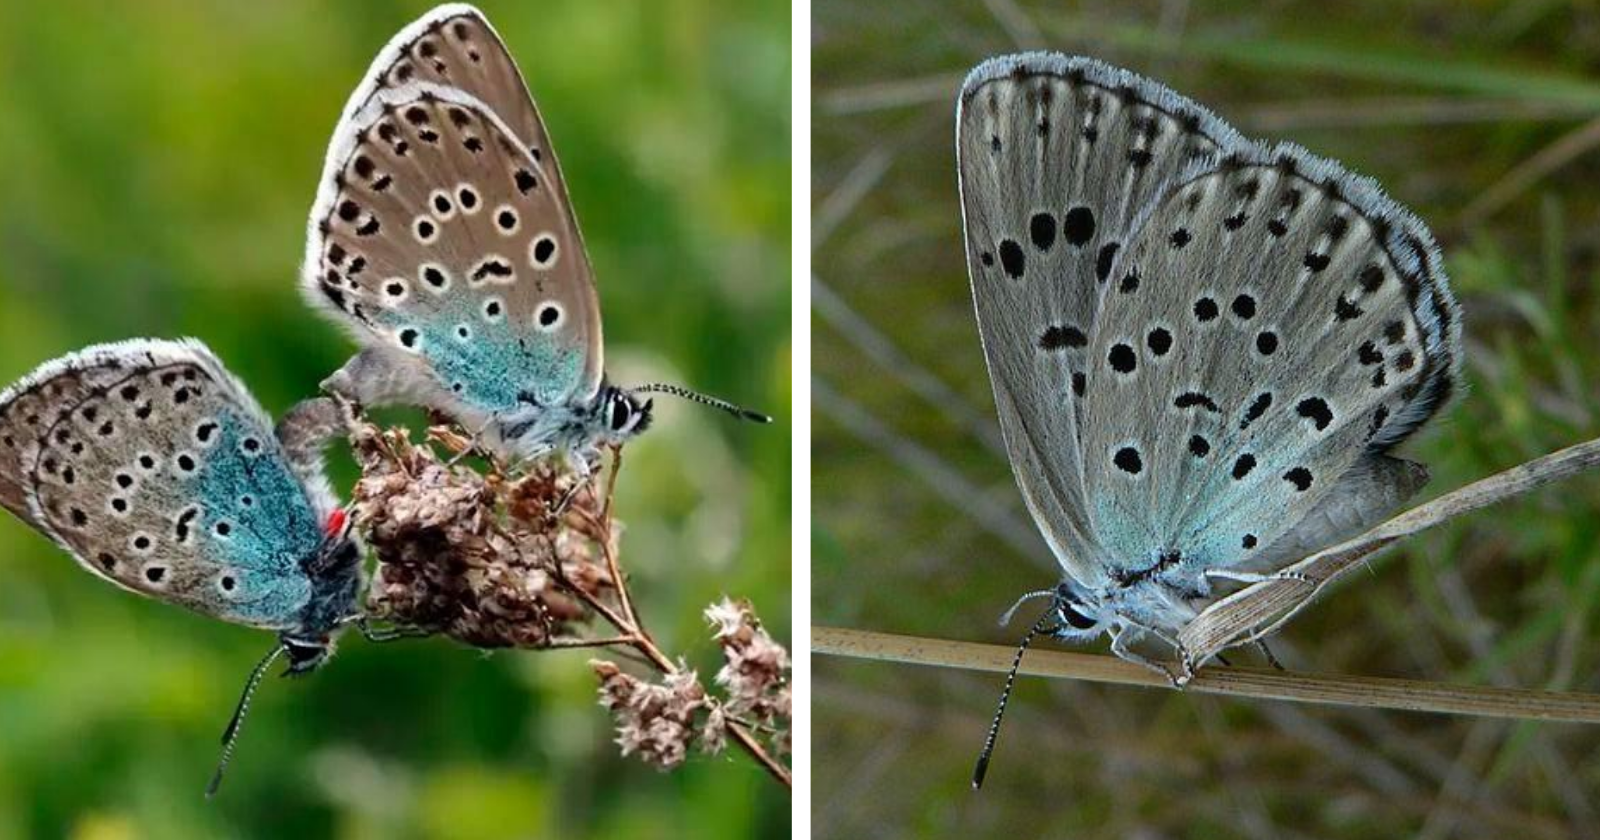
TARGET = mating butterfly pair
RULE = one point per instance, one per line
(442, 236)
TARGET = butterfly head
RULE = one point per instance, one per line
(334, 569)
(624, 416)
(1080, 615)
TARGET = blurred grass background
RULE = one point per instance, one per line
(160, 159)
(1482, 116)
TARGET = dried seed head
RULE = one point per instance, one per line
(755, 675)
(655, 721)
(478, 558)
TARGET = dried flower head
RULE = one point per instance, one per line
(479, 558)
(497, 560)
(655, 721)
(756, 676)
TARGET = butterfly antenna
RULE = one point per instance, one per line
(1005, 619)
(982, 767)
(693, 396)
(231, 734)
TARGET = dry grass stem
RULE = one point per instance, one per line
(1256, 683)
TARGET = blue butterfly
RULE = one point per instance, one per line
(443, 237)
(157, 471)
(1202, 347)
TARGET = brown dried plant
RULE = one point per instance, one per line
(530, 561)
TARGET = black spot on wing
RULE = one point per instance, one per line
(1042, 231)
(1077, 227)
(1316, 410)
(1012, 259)
(1058, 337)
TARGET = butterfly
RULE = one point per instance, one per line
(157, 471)
(443, 238)
(1202, 347)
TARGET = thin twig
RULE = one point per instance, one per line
(630, 628)
(614, 641)
(608, 544)
(1524, 175)
(1384, 112)
(1257, 683)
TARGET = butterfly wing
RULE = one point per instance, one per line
(496, 304)
(1059, 158)
(166, 479)
(455, 46)
(31, 405)
(1287, 322)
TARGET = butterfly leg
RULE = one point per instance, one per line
(1256, 577)
(474, 439)
(1272, 660)
(1122, 641)
(583, 466)
(565, 501)
(394, 633)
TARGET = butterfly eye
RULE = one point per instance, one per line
(621, 413)
(1078, 620)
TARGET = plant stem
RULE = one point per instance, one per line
(630, 628)
(1257, 683)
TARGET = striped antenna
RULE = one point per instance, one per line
(693, 396)
(231, 734)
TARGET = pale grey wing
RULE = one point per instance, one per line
(34, 402)
(1375, 487)
(1287, 321)
(455, 46)
(436, 235)
(167, 481)
(1059, 158)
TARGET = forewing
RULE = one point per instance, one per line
(31, 405)
(455, 46)
(1059, 159)
(167, 480)
(437, 234)
(1284, 320)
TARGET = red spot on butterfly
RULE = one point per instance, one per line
(335, 524)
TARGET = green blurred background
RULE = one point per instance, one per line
(1485, 118)
(159, 162)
